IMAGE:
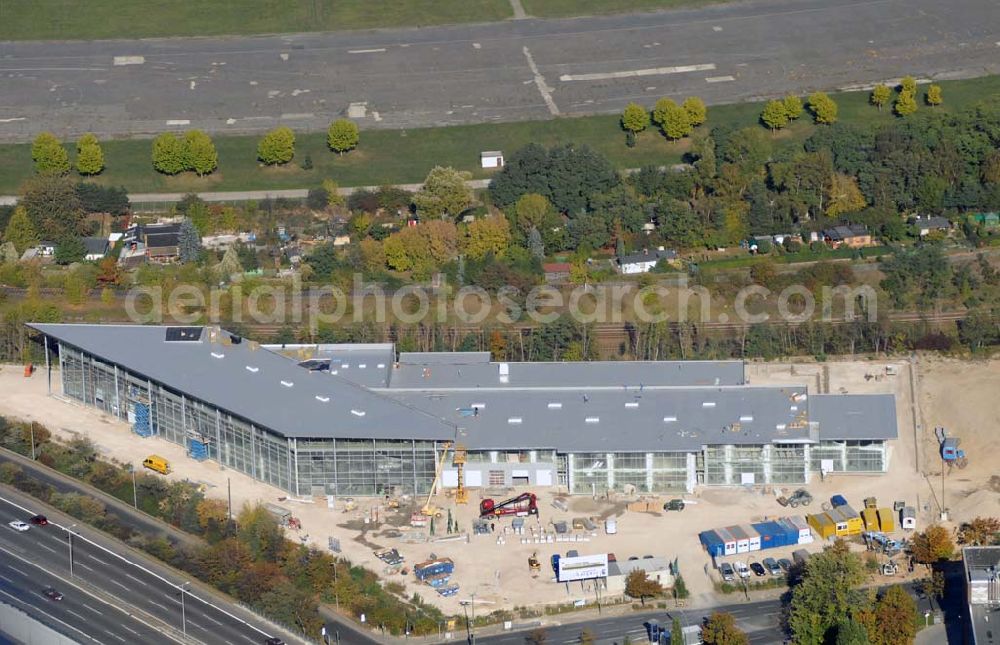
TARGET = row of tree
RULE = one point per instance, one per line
(675, 121)
(50, 156)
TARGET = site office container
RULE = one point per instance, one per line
(870, 517)
(847, 520)
(789, 531)
(771, 534)
(823, 525)
(742, 539)
(908, 518)
(886, 520)
(805, 532)
(432, 568)
(715, 545)
(728, 540)
(753, 535)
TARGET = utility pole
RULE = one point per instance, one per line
(229, 488)
(32, 441)
(183, 614)
(69, 535)
(135, 491)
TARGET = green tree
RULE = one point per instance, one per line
(89, 155)
(908, 84)
(635, 118)
(850, 632)
(531, 210)
(894, 616)
(342, 136)
(905, 104)
(277, 146)
(844, 195)
(199, 153)
(487, 235)
(880, 95)
(20, 231)
(721, 629)
(980, 531)
(49, 154)
(793, 106)
(933, 587)
(53, 205)
(188, 241)
(933, 96)
(535, 244)
(168, 154)
(824, 108)
(444, 192)
(673, 119)
(696, 110)
(774, 115)
(70, 250)
(639, 585)
(827, 592)
(933, 545)
(676, 635)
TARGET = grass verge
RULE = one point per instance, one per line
(97, 19)
(405, 156)
(565, 8)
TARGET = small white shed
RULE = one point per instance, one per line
(491, 159)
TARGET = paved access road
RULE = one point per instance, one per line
(523, 69)
(41, 556)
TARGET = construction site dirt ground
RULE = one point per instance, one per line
(959, 395)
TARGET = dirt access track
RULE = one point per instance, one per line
(959, 395)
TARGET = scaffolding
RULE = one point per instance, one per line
(458, 460)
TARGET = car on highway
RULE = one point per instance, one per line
(273, 640)
(785, 564)
(742, 569)
(758, 569)
(39, 520)
(726, 570)
(51, 593)
(772, 566)
(18, 525)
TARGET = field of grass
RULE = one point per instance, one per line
(97, 19)
(565, 8)
(405, 156)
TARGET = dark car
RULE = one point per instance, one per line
(758, 569)
(785, 564)
(274, 640)
(40, 520)
(674, 505)
(51, 594)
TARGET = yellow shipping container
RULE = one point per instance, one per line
(846, 520)
(822, 524)
(870, 517)
(886, 520)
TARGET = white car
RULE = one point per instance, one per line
(18, 525)
(742, 569)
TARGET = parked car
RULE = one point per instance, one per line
(742, 569)
(674, 505)
(726, 570)
(772, 566)
(18, 525)
(273, 640)
(51, 594)
(39, 520)
(758, 569)
(785, 564)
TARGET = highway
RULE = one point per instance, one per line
(41, 556)
(514, 70)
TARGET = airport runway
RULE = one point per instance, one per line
(525, 69)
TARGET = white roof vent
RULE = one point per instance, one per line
(322, 399)
(253, 369)
(780, 426)
(513, 420)
(708, 404)
(669, 419)
(334, 372)
(746, 418)
(504, 373)
(556, 405)
(631, 404)
(592, 420)
(344, 366)
(287, 383)
(478, 406)
(381, 366)
(362, 366)
(218, 355)
(358, 413)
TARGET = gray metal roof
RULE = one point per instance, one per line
(468, 370)
(258, 385)
(366, 364)
(626, 420)
(854, 416)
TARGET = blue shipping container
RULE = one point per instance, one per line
(771, 535)
(431, 568)
(715, 545)
(790, 530)
(838, 500)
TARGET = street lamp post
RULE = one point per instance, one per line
(135, 491)
(69, 536)
(183, 614)
(32, 441)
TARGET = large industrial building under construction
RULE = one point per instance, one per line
(359, 420)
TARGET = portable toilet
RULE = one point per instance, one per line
(886, 521)
(753, 535)
(728, 541)
(908, 518)
(805, 533)
(823, 525)
(870, 517)
(713, 543)
(742, 539)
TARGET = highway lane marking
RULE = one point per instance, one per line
(540, 83)
(53, 69)
(159, 605)
(129, 629)
(632, 73)
(7, 579)
(212, 619)
(115, 582)
(720, 79)
(92, 609)
(129, 575)
(49, 616)
(377, 50)
(85, 566)
(179, 122)
(298, 115)
(13, 118)
(78, 615)
(115, 635)
(19, 571)
(47, 548)
(129, 60)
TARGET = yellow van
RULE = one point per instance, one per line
(157, 463)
